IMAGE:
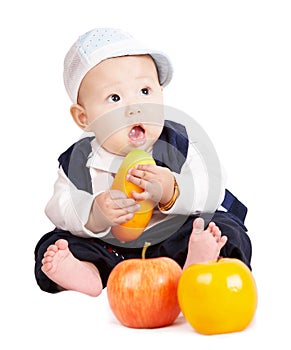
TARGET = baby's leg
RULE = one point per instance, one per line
(69, 273)
(204, 245)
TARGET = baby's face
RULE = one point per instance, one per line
(123, 103)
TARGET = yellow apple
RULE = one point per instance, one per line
(218, 296)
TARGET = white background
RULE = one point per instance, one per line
(232, 64)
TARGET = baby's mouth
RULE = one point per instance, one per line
(137, 135)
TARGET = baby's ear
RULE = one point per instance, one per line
(79, 115)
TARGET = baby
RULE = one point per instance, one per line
(116, 86)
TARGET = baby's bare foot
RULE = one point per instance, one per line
(204, 245)
(69, 273)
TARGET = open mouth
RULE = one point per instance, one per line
(137, 135)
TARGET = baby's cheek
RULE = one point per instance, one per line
(117, 143)
(153, 133)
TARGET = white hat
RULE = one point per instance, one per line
(101, 43)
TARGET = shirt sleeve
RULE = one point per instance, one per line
(201, 185)
(69, 208)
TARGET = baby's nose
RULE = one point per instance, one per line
(133, 110)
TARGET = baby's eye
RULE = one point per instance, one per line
(114, 98)
(145, 91)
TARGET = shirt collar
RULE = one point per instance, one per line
(102, 159)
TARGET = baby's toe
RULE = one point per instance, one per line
(49, 252)
(61, 244)
(198, 226)
(211, 225)
(222, 241)
(47, 259)
(46, 267)
(52, 248)
(216, 233)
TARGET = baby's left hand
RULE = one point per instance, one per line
(157, 182)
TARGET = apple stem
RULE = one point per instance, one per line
(145, 247)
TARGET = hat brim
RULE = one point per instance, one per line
(122, 48)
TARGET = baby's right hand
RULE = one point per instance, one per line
(111, 208)
(116, 206)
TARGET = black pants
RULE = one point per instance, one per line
(106, 254)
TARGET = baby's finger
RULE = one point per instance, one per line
(138, 173)
(120, 200)
(150, 168)
(128, 204)
(116, 194)
(123, 218)
(137, 181)
(132, 208)
(140, 196)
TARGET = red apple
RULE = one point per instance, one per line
(142, 293)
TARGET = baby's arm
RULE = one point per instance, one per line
(84, 214)
(201, 185)
(69, 207)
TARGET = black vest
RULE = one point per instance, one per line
(170, 150)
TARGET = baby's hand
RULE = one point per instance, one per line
(111, 208)
(157, 182)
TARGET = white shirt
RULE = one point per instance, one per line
(69, 207)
